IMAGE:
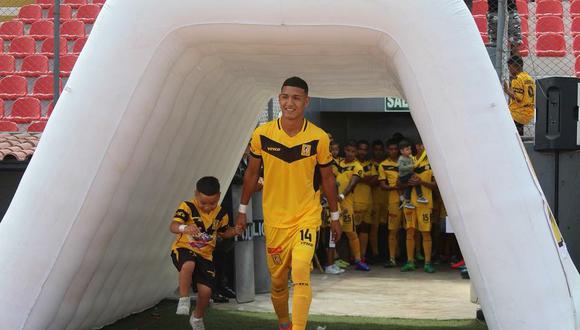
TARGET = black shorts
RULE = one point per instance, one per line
(204, 271)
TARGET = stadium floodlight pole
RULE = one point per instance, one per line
(501, 19)
(56, 61)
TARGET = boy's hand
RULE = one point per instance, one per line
(241, 220)
(238, 230)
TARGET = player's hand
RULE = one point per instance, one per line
(336, 230)
(241, 221)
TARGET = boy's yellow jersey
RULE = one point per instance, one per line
(523, 104)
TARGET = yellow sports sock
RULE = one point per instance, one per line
(427, 245)
(279, 297)
(302, 295)
(374, 239)
(364, 241)
(410, 245)
(392, 244)
(417, 242)
(354, 245)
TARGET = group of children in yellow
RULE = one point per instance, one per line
(393, 187)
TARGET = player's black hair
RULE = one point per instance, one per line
(398, 137)
(378, 143)
(516, 59)
(334, 142)
(391, 142)
(404, 144)
(208, 185)
(359, 142)
(351, 143)
(296, 82)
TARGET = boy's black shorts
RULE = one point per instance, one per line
(204, 271)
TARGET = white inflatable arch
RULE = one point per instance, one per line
(166, 92)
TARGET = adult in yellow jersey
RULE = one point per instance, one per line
(196, 225)
(388, 180)
(297, 164)
(521, 91)
(419, 218)
(363, 198)
(350, 173)
(379, 197)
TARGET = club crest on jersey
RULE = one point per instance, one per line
(306, 150)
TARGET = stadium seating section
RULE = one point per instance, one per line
(27, 59)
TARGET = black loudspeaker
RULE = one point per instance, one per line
(557, 126)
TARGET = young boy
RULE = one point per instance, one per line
(196, 224)
(406, 166)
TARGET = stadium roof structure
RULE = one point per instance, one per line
(163, 94)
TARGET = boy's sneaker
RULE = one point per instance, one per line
(183, 306)
(409, 206)
(341, 263)
(333, 270)
(391, 263)
(422, 200)
(428, 268)
(196, 324)
(408, 267)
(362, 266)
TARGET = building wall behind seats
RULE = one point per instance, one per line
(9, 181)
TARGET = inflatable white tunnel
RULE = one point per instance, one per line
(166, 92)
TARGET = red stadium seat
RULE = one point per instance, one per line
(72, 29)
(74, 3)
(549, 24)
(7, 64)
(8, 126)
(49, 112)
(41, 29)
(43, 87)
(551, 45)
(78, 45)
(30, 13)
(485, 38)
(481, 22)
(549, 8)
(525, 28)
(1, 108)
(11, 29)
(65, 13)
(99, 2)
(25, 110)
(576, 46)
(574, 8)
(22, 46)
(522, 7)
(67, 62)
(37, 127)
(45, 4)
(88, 13)
(575, 26)
(12, 87)
(577, 66)
(47, 47)
(479, 7)
(34, 66)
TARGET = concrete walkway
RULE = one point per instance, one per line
(383, 293)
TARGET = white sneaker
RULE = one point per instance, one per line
(196, 324)
(333, 269)
(183, 306)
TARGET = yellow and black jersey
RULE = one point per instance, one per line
(362, 191)
(389, 172)
(522, 105)
(336, 166)
(291, 193)
(347, 170)
(425, 173)
(380, 196)
(209, 225)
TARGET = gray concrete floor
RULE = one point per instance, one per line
(383, 293)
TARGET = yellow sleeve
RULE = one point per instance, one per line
(358, 170)
(224, 224)
(181, 214)
(323, 155)
(256, 144)
(382, 175)
(374, 170)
